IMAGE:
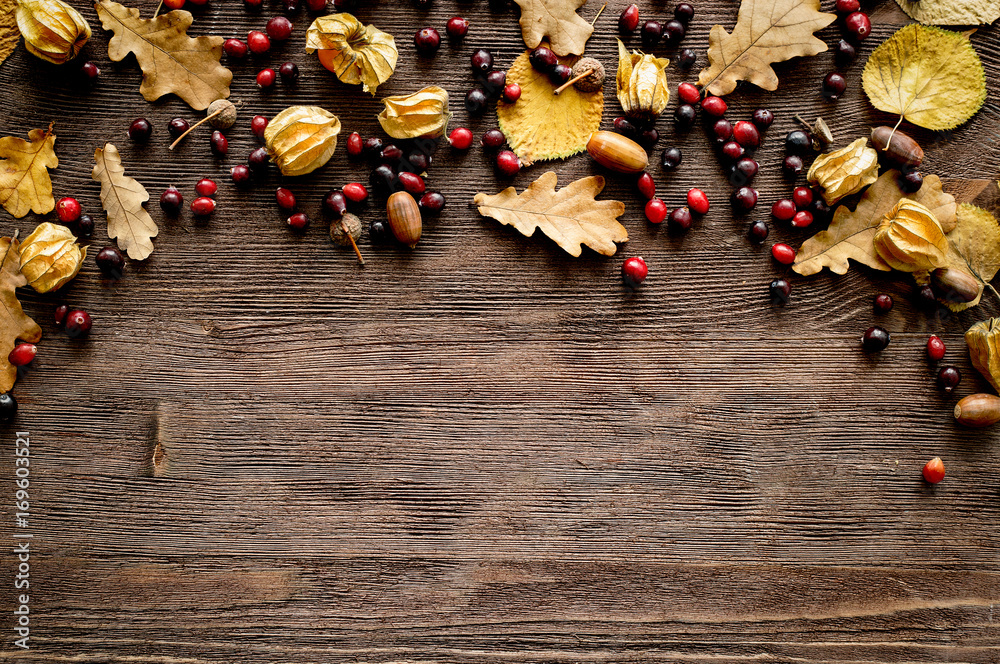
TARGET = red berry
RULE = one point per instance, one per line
(689, 94)
(68, 210)
(732, 150)
(935, 348)
(412, 183)
(203, 206)
(298, 221)
(316, 5)
(783, 210)
(171, 200)
(634, 271)
(355, 146)
(78, 323)
(508, 163)
(355, 192)
(90, 70)
(289, 72)
(802, 196)
(802, 219)
(235, 48)
(697, 201)
(22, 354)
(60, 314)
(219, 142)
(848, 6)
(858, 25)
(934, 470)
(240, 174)
(745, 199)
(762, 118)
(656, 211)
(279, 28)
(334, 203)
(265, 78)
(680, 219)
(431, 203)
(949, 378)
(628, 21)
(175, 4)
(883, 304)
(783, 253)
(511, 93)
(457, 27)
(646, 185)
(460, 138)
(834, 85)
(722, 130)
(493, 139)
(258, 124)
(285, 199)
(427, 41)
(206, 187)
(714, 106)
(746, 134)
(258, 42)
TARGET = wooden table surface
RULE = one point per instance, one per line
(484, 450)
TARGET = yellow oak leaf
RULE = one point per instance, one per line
(929, 76)
(358, 54)
(851, 235)
(571, 217)
(767, 31)
(557, 20)
(950, 12)
(974, 247)
(122, 198)
(24, 181)
(14, 323)
(543, 125)
(9, 34)
(170, 60)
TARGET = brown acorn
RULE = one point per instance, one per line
(897, 147)
(617, 152)
(404, 218)
(955, 286)
(978, 410)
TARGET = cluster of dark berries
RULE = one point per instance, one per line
(493, 84)
(428, 40)
(653, 32)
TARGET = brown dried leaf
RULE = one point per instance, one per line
(122, 198)
(851, 234)
(170, 60)
(974, 247)
(571, 216)
(358, 54)
(9, 34)
(24, 181)
(557, 20)
(950, 12)
(767, 31)
(14, 324)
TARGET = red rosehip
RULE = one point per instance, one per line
(285, 199)
(412, 183)
(646, 185)
(240, 174)
(656, 211)
(203, 206)
(802, 219)
(689, 94)
(508, 163)
(746, 134)
(355, 146)
(60, 314)
(258, 124)
(355, 192)
(235, 48)
(802, 196)
(68, 210)
(258, 42)
(460, 138)
(628, 21)
(298, 221)
(933, 470)
(279, 28)
(78, 323)
(858, 25)
(206, 187)
(22, 354)
(714, 106)
(783, 210)
(265, 78)
(935, 348)
(697, 201)
(783, 253)
(634, 271)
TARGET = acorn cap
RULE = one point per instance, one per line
(225, 119)
(592, 82)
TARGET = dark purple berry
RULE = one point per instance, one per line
(758, 232)
(177, 127)
(834, 85)
(289, 72)
(686, 58)
(762, 119)
(798, 143)
(140, 130)
(482, 61)
(792, 165)
(427, 41)
(673, 32)
(476, 101)
(875, 339)
(684, 12)
(670, 159)
(780, 291)
(685, 115)
(652, 33)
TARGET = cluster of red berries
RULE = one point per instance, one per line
(428, 40)
(203, 205)
(653, 32)
(71, 214)
(506, 161)
(493, 84)
(76, 322)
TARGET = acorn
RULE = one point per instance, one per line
(588, 76)
(404, 218)
(346, 231)
(614, 151)
(955, 286)
(897, 147)
(978, 410)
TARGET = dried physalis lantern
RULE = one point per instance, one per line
(846, 171)
(52, 30)
(346, 231)
(642, 83)
(423, 113)
(50, 257)
(300, 139)
(910, 238)
(983, 340)
(358, 54)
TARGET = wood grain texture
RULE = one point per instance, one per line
(484, 450)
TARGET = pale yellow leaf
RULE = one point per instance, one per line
(974, 247)
(24, 181)
(14, 324)
(952, 12)
(767, 31)
(122, 198)
(557, 20)
(543, 125)
(851, 234)
(9, 34)
(170, 60)
(932, 77)
(571, 217)
(358, 54)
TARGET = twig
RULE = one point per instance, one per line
(599, 12)
(573, 80)
(195, 126)
(354, 244)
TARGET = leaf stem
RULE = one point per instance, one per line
(354, 244)
(599, 12)
(195, 125)
(156, 13)
(893, 132)
(573, 80)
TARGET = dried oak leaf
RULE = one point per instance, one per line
(851, 234)
(767, 31)
(542, 125)
(974, 247)
(9, 34)
(24, 181)
(571, 216)
(14, 324)
(122, 198)
(557, 20)
(929, 76)
(358, 54)
(170, 60)
(950, 12)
